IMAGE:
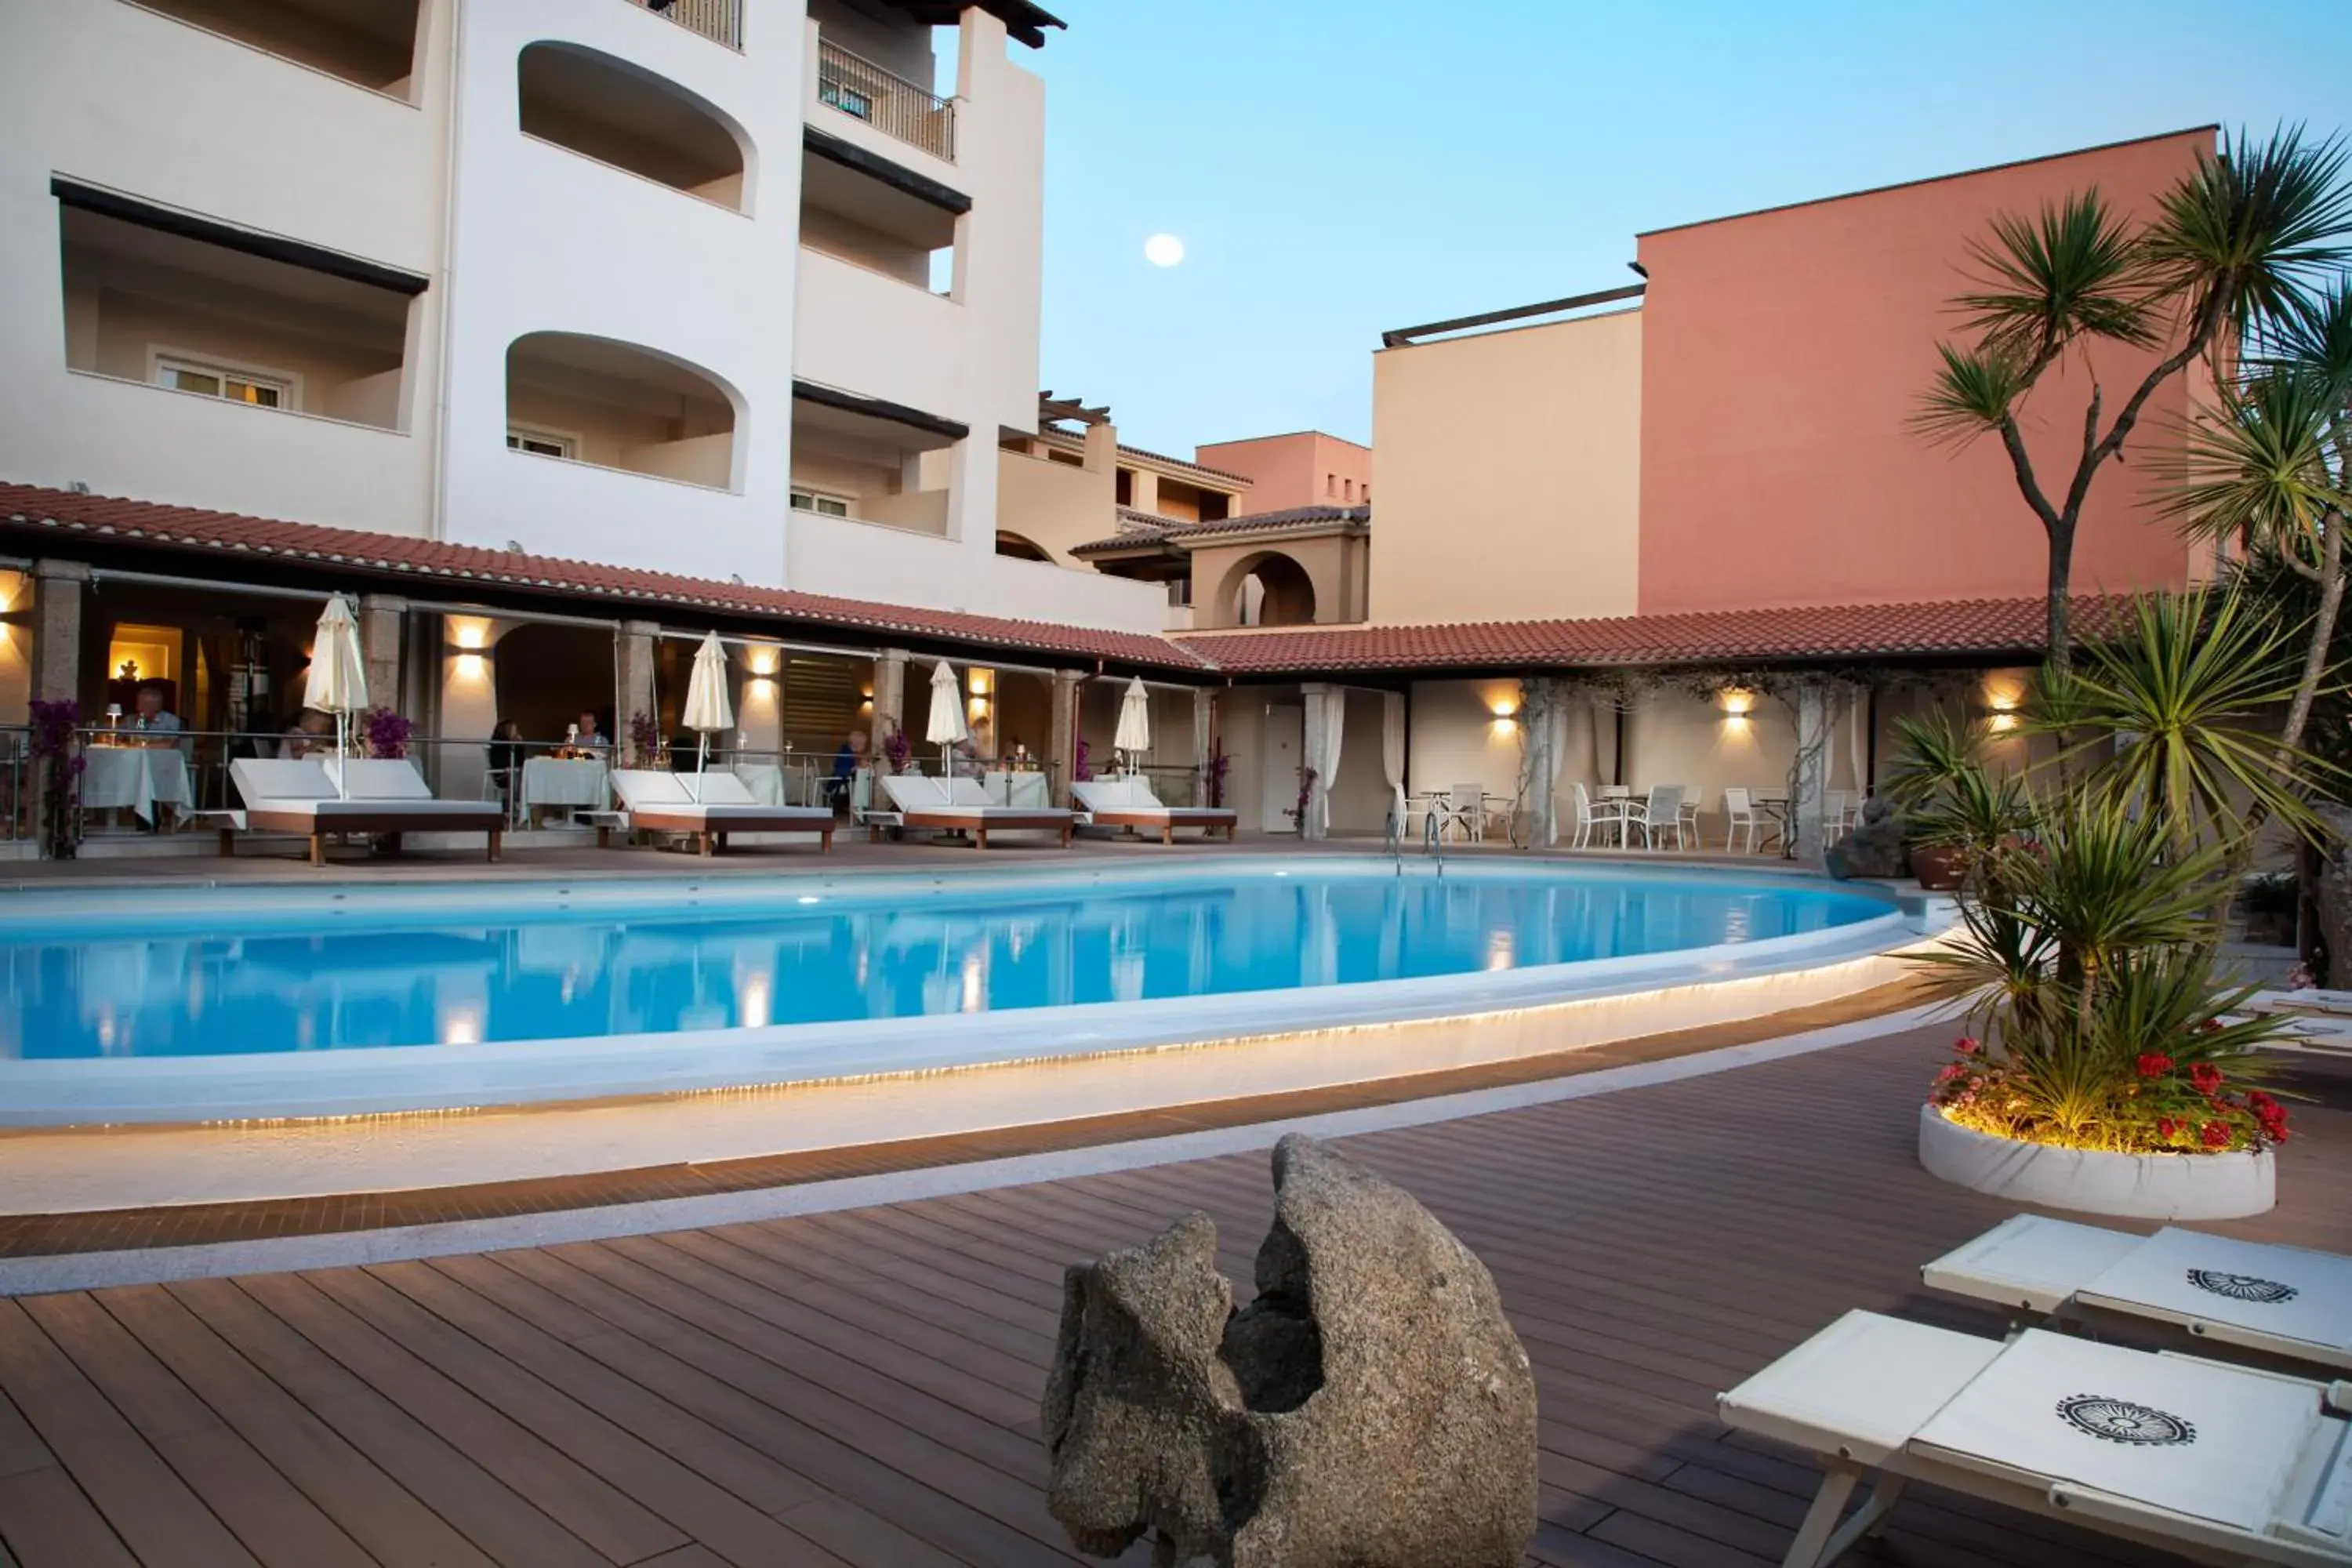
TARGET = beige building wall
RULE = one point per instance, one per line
(1334, 564)
(1510, 473)
(1057, 505)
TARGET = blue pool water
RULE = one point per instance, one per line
(518, 969)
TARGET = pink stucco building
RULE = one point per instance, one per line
(1306, 468)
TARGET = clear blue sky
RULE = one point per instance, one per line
(1339, 169)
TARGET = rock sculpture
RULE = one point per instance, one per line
(1370, 1408)
(1874, 849)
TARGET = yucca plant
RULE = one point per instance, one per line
(2170, 712)
(2237, 243)
(2092, 971)
(1951, 797)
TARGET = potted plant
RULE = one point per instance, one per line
(57, 768)
(1958, 814)
(387, 733)
(2118, 1079)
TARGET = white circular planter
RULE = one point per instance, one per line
(2137, 1186)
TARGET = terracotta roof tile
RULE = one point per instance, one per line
(1151, 529)
(1818, 632)
(28, 508)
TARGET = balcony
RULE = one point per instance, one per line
(885, 100)
(720, 21)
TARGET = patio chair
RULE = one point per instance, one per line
(1128, 802)
(1659, 813)
(1595, 817)
(1686, 833)
(707, 808)
(960, 805)
(2220, 1463)
(381, 797)
(1837, 813)
(1739, 817)
(1464, 813)
(2273, 1301)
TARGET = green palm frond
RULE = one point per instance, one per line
(1973, 390)
(2254, 228)
(2257, 467)
(2173, 714)
(2074, 269)
(2315, 340)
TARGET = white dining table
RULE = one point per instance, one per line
(570, 782)
(137, 778)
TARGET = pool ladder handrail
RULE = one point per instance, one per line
(1392, 841)
(1433, 840)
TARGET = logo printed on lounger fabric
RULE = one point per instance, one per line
(2121, 1421)
(2242, 1287)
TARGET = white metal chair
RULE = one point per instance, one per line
(1658, 815)
(1465, 812)
(1595, 817)
(1686, 833)
(1738, 817)
(1837, 813)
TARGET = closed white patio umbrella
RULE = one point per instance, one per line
(947, 728)
(707, 712)
(1134, 735)
(337, 682)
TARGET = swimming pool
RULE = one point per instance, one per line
(250, 973)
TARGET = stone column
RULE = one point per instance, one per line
(890, 702)
(1062, 755)
(634, 691)
(382, 617)
(1311, 822)
(1809, 787)
(57, 589)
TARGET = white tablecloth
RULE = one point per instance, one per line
(1026, 790)
(563, 781)
(139, 777)
(774, 786)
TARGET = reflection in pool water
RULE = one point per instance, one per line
(540, 974)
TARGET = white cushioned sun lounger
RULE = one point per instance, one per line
(2279, 1300)
(2218, 1462)
(961, 805)
(709, 807)
(385, 796)
(1127, 802)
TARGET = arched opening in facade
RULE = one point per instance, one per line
(1269, 589)
(617, 112)
(617, 405)
(1020, 548)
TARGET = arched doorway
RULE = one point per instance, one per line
(1268, 589)
(1020, 548)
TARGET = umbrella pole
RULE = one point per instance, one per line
(701, 758)
(342, 755)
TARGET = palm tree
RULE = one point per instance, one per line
(2238, 241)
(2271, 469)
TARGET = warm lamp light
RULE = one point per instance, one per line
(471, 667)
(980, 681)
(2001, 722)
(469, 633)
(1737, 703)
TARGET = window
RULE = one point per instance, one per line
(544, 443)
(822, 504)
(1330, 486)
(221, 381)
(1347, 490)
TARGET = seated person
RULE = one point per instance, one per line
(590, 737)
(306, 737)
(153, 718)
(846, 764)
(506, 754)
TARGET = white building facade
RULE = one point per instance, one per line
(725, 288)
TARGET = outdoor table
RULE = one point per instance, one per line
(137, 777)
(1026, 790)
(1776, 807)
(569, 782)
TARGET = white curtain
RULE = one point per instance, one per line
(1326, 763)
(1392, 751)
(1604, 739)
(1857, 737)
(1555, 765)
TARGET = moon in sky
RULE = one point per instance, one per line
(1163, 250)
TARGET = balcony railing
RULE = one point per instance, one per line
(888, 102)
(720, 21)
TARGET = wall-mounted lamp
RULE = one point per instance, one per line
(471, 667)
(470, 632)
(2003, 697)
(1737, 703)
(980, 681)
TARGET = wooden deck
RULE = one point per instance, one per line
(861, 1387)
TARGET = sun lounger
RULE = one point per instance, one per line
(2219, 1462)
(960, 805)
(1127, 802)
(383, 797)
(2277, 1300)
(709, 807)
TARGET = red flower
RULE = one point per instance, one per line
(2166, 1128)
(1952, 1071)
(1966, 1044)
(2217, 1135)
(2155, 1064)
(2207, 1077)
(2270, 1113)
